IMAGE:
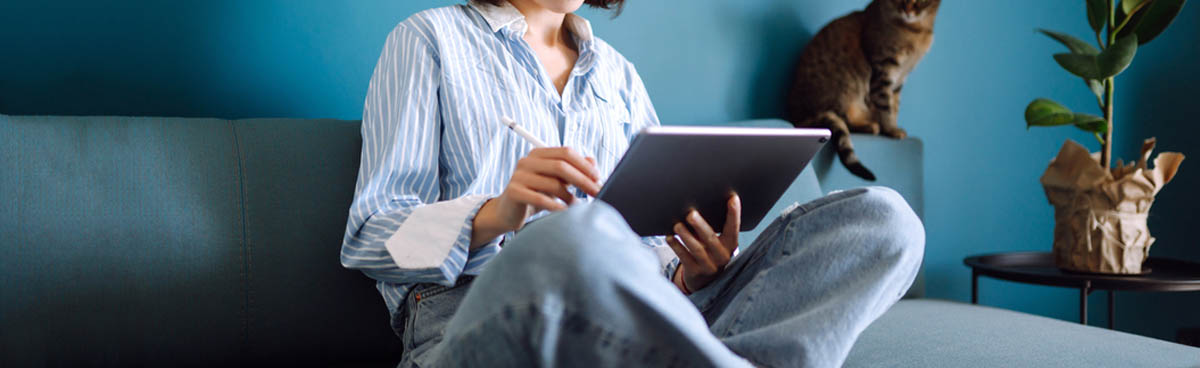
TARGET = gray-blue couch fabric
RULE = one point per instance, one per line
(936, 333)
(181, 242)
(134, 241)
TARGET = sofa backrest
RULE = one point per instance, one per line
(132, 241)
(166, 242)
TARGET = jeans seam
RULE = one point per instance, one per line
(753, 287)
(419, 295)
(830, 199)
(781, 228)
(434, 290)
(410, 316)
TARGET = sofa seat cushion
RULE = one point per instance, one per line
(933, 333)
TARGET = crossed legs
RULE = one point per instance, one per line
(578, 288)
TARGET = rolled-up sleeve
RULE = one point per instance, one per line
(398, 231)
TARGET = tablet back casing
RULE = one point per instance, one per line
(670, 170)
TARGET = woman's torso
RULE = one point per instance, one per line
(484, 71)
(487, 75)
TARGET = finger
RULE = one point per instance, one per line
(593, 161)
(733, 223)
(545, 184)
(564, 171)
(534, 198)
(572, 157)
(712, 244)
(685, 258)
(696, 248)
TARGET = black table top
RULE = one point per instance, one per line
(1038, 268)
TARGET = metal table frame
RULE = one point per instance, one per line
(1038, 268)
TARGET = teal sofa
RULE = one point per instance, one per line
(135, 241)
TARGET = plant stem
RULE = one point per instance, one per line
(1106, 150)
(1129, 16)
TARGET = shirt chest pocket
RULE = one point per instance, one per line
(609, 118)
(473, 82)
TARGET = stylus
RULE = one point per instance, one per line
(537, 143)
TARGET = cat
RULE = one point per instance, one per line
(849, 77)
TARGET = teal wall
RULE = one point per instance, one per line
(708, 62)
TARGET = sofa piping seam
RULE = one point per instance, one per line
(241, 175)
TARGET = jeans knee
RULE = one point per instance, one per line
(877, 217)
(901, 229)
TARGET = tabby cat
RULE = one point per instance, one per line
(849, 76)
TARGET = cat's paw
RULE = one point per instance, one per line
(872, 129)
(896, 132)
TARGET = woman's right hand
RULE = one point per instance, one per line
(540, 180)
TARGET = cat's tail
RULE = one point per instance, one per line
(845, 148)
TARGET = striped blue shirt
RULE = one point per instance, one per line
(434, 149)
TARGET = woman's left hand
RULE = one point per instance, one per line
(703, 253)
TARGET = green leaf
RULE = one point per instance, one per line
(1096, 87)
(1127, 6)
(1153, 20)
(1076, 45)
(1086, 66)
(1110, 62)
(1097, 12)
(1129, 25)
(1114, 59)
(1045, 112)
(1090, 123)
(1127, 19)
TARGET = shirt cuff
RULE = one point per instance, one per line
(425, 241)
(669, 269)
(666, 257)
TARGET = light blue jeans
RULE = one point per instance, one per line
(578, 289)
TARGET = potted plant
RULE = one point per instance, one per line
(1100, 210)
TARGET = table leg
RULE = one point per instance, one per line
(974, 287)
(1112, 314)
(1083, 294)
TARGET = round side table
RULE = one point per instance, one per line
(1038, 268)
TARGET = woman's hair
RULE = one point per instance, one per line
(615, 5)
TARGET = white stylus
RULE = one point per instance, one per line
(537, 143)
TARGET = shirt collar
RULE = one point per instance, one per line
(505, 15)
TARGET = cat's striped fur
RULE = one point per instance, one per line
(850, 75)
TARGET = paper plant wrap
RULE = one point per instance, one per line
(1100, 214)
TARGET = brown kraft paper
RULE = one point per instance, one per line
(1100, 214)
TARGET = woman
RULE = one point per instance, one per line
(442, 184)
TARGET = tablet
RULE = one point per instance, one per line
(669, 170)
